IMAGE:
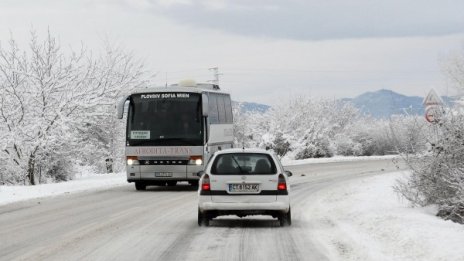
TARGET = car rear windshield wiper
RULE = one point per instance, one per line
(238, 165)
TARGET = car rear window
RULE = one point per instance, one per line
(243, 163)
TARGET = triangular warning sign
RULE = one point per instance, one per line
(432, 99)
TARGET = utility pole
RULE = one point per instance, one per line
(216, 74)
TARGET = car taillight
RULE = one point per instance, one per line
(205, 185)
(281, 184)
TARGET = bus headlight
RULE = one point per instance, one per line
(196, 160)
(132, 160)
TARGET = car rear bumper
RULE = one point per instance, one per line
(282, 204)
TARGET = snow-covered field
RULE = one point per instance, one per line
(84, 182)
(366, 220)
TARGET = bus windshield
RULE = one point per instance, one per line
(165, 119)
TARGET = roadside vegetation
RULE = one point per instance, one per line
(437, 173)
(57, 108)
(303, 128)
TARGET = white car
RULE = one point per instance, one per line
(244, 182)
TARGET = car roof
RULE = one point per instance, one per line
(244, 150)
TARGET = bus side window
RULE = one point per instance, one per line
(228, 107)
(213, 109)
(221, 109)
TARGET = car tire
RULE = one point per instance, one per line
(200, 218)
(285, 219)
(140, 186)
(203, 219)
(289, 217)
(171, 183)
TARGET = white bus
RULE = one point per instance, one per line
(172, 131)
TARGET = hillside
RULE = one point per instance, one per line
(385, 103)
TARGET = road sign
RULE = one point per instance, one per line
(432, 114)
(432, 99)
(433, 107)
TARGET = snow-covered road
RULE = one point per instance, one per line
(160, 223)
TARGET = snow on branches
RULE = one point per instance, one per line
(437, 176)
(306, 128)
(50, 99)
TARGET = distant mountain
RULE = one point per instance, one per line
(251, 106)
(379, 104)
(384, 103)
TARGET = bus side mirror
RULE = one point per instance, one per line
(120, 107)
(205, 104)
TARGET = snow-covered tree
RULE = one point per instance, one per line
(55, 104)
(300, 127)
(438, 175)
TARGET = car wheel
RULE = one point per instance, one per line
(203, 219)
(140, 186)
(200, 218)
(289, 217)
(171, 183)
(285, 219)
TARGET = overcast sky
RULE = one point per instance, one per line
(265, 50)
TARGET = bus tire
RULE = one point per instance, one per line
(140, 186)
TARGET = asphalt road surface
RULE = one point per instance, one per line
(161, 223)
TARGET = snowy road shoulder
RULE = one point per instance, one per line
(9, 194)
(86, 181)
(366, 220)
(289, 162)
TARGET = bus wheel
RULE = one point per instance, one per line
(140, 186)
(171, 183)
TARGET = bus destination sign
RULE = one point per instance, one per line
(169, 95)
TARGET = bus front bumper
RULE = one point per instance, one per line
(163, 173)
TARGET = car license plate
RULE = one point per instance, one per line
(243, 187)
(163, 174)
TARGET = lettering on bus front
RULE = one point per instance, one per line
(165, 95)
(165, 151)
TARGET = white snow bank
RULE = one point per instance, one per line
(366, 220)
(84, 181)
(288, 162)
